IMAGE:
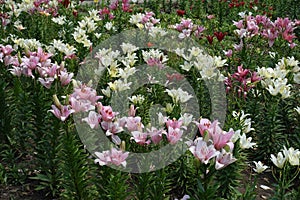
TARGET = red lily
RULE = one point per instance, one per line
(66, 3)
(220, 35)
(180, 12)
(210, 38)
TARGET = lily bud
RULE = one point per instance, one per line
(123, 146)
(19, 57)
(27, 52)
(56, 101)
(75, 84)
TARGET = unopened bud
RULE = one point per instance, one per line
(19, 57)
(56, 101)
(75, 84)
(123, 146)
(27, 52)
(62, 65)
(132, 111)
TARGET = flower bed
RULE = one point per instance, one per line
(149, 100)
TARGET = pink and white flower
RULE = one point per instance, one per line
(202, 151)
(112, 157)
(61, 113)
(174, 135)
(223, 159)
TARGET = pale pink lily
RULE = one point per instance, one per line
(239, 24)
(43, 56)
(112, 128)
(65, 78)
(202, 151)
(156, 135)
(50, 70)
(118, 157)
(11, 60)
(87, 93)
(140, 138)
(174, 123)
(214, 128)
(228, 53)
(223, 159)
(7, 50)
(132, 111)
(16, 71)
(93, 119)
(31, 62)
(62, 113)
(292, 45)
(46, 82)
(114, 157)
(114, 4)
(174, 135)
(134, 124)
(80, 105)
(239, 47)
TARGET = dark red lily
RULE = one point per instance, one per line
(75, 13)
(66, 3)
(180, 12)
(219, 35)
(210, 38)
(231, 5)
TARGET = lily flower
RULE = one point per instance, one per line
(62, 113)
(259, 167)
(114, 157)
(202, 151)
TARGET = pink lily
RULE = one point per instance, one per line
(7, 50)
(221, 139)
(174, 123)
(132, 111)
(202, 151)
(42, 55)
(112, 128)
(16, 71)
(223, 159)
(80, 105)
(86, 93)
(30, 62)
(11, 60)
(174, 135)
(46, 82)
(93, 119)
(65, 77)
(62, 113)
(156, 135)
(114, 156)
(203, 125)
(134, 124)
(140, 138)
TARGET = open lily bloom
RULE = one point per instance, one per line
(112, 157)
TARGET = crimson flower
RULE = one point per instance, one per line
(66, 3)
(180, 12)
(75, 13)
(210, 38)
(220, 35)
